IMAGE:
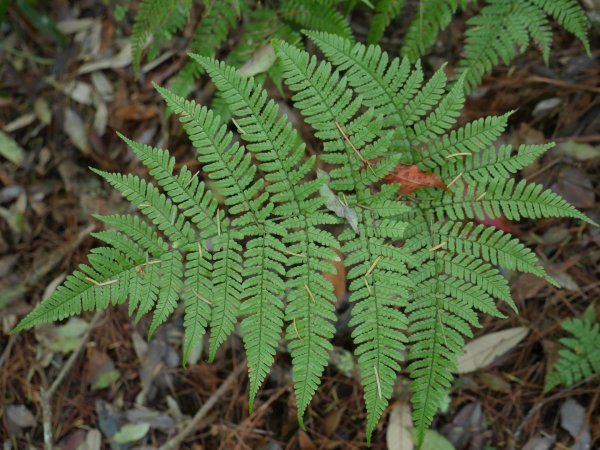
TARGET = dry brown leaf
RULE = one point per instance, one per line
(305, 442)
(484, 350)
(411, 178)
(136, 111)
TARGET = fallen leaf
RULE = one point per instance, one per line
(64, 338)
(42, 111)
(103, 86)
(331, 421)
(572, 418)
(20, 416)
(78, 90)
(484, 350)
(411, 179)
(540, 443)
(20, 122)
(72, 26)
(334, 204)
(136, 111)
(435, 441)
(75, 129)
(528, 286)
(499, 222)
(339, 278)
(121, 59)
(575, 186)
(545, 106)
(305, 442)
(576, 150)
(155, 419)
(467, 424)
(399, 431)
(11, 150)
(565, 280)
(105, 376)
(131, 433)
(494, 382)
(101, 115)
(261, 61)
(93, 440)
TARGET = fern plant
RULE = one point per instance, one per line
(419, 270)
(579, 357)
(158, 20)
(499, 31)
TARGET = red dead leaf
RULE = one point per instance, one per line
(411, 178)
(136, 111)
(499, 222)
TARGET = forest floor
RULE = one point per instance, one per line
(63, 105)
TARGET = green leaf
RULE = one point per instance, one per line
(11, 150)
(131, 433)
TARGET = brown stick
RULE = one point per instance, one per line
(176, 441)
(46, 395)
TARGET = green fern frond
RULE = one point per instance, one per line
(491, 244)
(271, 136)
(432, 16)
(389, 87)
(233, 173)
(493, 163)
(227, 278)
(570, 15)
(468, 140)
(282, 158)
(158, 19)
(385, 12)
(185, 189)
(511, 199)
(504, 29)
(161, 211)
(315, 15)
(263, 288)
(138, 230)
(580, 356)
(254, 233)
(198, 297)
(225, 161)
(170, 286)
(210, 35)
(375, 76)
(377, 283)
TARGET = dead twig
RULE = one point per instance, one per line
(538, 406)
(175, 441)
(47, 394)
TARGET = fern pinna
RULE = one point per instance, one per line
(420, 269)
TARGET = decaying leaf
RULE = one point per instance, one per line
(334, 204)
(76, 130)
(411, 178)
(572, 419)
(484, 350)
(11, 150)
(20, 416)
(399, 432)
(260, 62)
(131, 433)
